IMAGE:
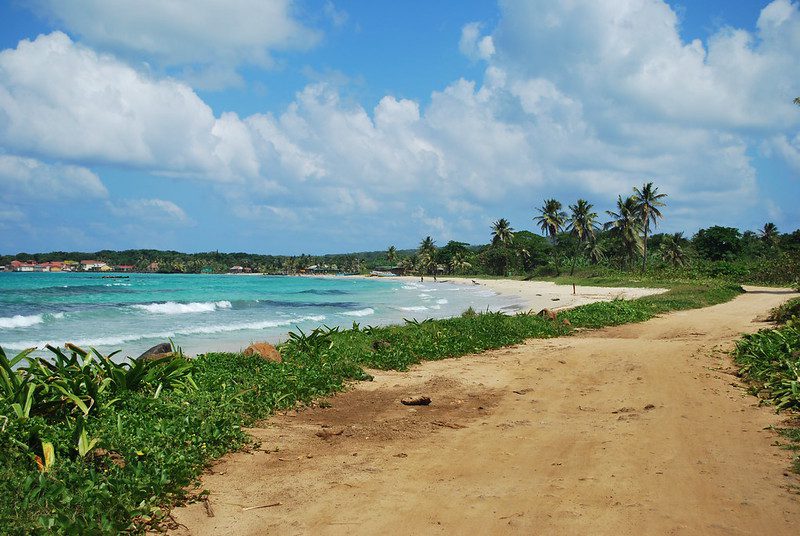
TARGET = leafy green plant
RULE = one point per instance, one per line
(770, 359)
(786, 311)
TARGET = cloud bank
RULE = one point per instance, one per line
(578, 99)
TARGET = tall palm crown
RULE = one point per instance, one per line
(626, 225)
(671, 250)
(428, 246)
(769, 233)
(552, 218)
(647, 201)
(502, 233)
(391, 253)
(582, 221)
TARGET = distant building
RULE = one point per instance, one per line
(152, 267)
(70, 266)
(19, 266)
(235, 270)
(92, 266)
(123, 268)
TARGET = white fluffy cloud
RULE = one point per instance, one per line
(158, 211)
(63, 100)
(26, 178)
(578, 99)
(207, 37)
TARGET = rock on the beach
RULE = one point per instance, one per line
(381, 345)
(418, 400)
(547, 313)
(156, 352)
(264, 350)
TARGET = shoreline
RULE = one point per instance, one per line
(508, 296)
(536, 295)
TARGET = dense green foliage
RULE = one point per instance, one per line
(786, 311)
(156, 440)
(770, 361)
(767, 257)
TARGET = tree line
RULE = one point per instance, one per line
(625, 241)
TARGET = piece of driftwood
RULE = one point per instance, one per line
(260, 506)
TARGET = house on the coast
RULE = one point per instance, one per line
(235, 270)
(152, 267)
(19, 266)
(92, 265)
(123, 268)
(70, 266)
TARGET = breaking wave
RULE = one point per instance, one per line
(174, 308)
(194, 330)
(23, 321)
(361, 312)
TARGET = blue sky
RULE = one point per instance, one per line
(330, 126)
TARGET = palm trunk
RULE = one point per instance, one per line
(644, 255)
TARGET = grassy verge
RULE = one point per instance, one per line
(141, 437)
(770, 361)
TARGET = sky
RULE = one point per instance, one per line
(323, 126)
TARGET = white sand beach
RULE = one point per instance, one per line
(538, 295)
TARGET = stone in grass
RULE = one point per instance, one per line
(264, 350)
(416, 400)
(547, 313)
(156, 352)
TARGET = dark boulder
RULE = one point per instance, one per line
(156, 352)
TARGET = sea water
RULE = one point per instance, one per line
(202, 313)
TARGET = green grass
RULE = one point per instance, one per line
(166, 436)
(786, 312)
(770, 361)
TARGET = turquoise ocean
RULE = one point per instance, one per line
(203, 313)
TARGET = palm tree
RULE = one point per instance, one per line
(797, 101)
(425, 264)
(769, 234)
(551, 219)
(626, 225)
(582, 224)
(647, 203)
(458, 263)
(428, 245)
(671, 250)
(407, 265)
(391, 254)
(595, 251)
(502, 233)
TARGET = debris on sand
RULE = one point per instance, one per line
(417, 400)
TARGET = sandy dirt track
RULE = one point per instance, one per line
(637, 429)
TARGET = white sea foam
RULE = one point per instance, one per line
(414, 308)
(361, 312)
(442, 301)
(193, 330)
(20, 321)
(173, 308)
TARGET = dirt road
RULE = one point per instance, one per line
(637, 429)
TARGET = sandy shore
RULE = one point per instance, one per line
(635, 429)
(538, 295)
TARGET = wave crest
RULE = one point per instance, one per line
(361, 312)
(20, 321)
(174, 308)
